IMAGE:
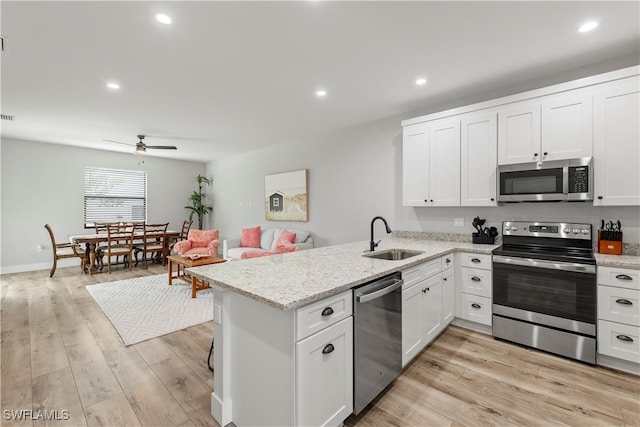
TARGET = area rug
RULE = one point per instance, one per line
(147, 307)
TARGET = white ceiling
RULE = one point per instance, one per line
(227, 77)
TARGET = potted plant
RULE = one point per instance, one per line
(197, 204)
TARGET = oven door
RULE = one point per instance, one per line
(557, 294)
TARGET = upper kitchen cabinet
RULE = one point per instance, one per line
(616, 131)
(552, 127)
(431, 163)
(478, 159)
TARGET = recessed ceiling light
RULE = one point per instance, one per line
(113, 85)
(588, 26)
(165, 19)
(321, 93)
(421, 81)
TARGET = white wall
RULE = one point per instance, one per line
(43, 183)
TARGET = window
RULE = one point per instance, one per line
(112, 195)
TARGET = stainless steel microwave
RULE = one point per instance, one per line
(553, 181)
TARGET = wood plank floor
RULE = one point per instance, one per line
(58, 351)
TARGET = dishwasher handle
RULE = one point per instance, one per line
(391, 285)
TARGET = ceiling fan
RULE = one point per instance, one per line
(141, 147)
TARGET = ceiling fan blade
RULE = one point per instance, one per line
(162, 147)
(118, 142)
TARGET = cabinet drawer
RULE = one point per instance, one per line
(620, 277)
(617, 340)
(317, 316)
(475, 309)
(619, 305)
(475, 281)
(415, 274)
(446, 262)
(475, 260)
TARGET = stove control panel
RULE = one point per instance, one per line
(558, 230)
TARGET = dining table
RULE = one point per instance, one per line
(93, 240)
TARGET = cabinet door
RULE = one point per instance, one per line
(412, 335)
(444, 162)
(519, 134)
(415, 165)
(567, 131)
(448, 297)
(324, 376)
(432, 307)
(479, 146)
(616, 144)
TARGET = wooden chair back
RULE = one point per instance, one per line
(119, 243)
(64, 250)
(154, 241)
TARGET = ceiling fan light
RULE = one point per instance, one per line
(141, 150)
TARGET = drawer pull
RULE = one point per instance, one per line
(624, 301)
(476, 260)
(328, 349)
(476, 279)
(327, 311)
(476, 306)
(623, 277)
(625, 338)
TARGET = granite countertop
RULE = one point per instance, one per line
(620, 261)
(291, 280)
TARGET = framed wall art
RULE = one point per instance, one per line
(285, 196)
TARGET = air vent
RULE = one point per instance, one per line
(7, 117)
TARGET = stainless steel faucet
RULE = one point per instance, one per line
(373, 244)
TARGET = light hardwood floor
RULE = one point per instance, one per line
(59, 352)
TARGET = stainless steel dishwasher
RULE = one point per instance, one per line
(377, 337)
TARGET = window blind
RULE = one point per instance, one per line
(114, 195)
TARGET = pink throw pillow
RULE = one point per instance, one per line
(286, 237)
(250, 237)
(286, 246)
(255, 254)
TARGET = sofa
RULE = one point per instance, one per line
(232, 249)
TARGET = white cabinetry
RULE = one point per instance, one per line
(474, 302)
(553, 127)
(431, 164)
(619, 315)
(617, 143)
(427, 304)
(478, 159)
(324, 362)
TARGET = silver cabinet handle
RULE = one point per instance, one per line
(623, 277)
(624, 301)
(624, 338)
(476, 279)
(476, 306)
(328, 349)
(327, 311)
(476, 260)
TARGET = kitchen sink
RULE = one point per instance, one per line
(393, 254)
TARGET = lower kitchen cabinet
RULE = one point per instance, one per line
(427, 304)
(475, 288)
(324, 377)
(619, 318)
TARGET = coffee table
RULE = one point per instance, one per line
(185, 262)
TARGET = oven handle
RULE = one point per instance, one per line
(549, 265)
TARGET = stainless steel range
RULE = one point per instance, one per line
(544, 288)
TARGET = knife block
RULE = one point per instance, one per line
(611, 247)
(482, 239)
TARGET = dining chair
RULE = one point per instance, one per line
(186, 226)
(65, 250)
(153, 241)
(119, 242)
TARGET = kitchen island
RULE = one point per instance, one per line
(261, 336)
